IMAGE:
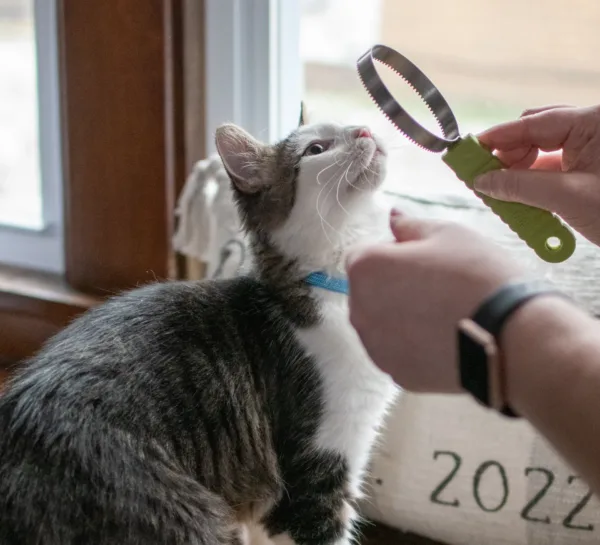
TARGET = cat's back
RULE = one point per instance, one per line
(157, 319)
(144, 353)
(162, 313)
(166, 384)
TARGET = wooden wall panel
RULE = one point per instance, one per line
(121, 109)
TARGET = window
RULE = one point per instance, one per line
(30, 176)
(489, 63)
(112, 166)
(20, 186)
(253, 69)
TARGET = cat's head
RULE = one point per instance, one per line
(307, 194)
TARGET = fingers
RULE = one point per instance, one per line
(407, 229)
(547, 130)
(518, 158)
(403, 228)
(533, 111)
(366, 254)
(551, 161)
(555, 191)
(524, 157)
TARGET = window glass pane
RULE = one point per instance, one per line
(489, 62)
(20, 184)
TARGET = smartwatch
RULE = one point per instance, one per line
(481, 365)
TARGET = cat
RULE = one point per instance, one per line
(180, 412)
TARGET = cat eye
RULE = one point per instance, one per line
(315, 149)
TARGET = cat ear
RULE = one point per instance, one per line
(240, 154)
(303, 116)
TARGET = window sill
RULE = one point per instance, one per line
(33, 307)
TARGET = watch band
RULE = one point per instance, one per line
(482, 369)
(497, 308)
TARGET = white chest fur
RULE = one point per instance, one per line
(357, 394)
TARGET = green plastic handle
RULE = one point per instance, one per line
(542, 231)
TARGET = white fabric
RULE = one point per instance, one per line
(208, 221)
(430, 437)
(194, 230)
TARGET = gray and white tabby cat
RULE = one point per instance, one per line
(181, 412)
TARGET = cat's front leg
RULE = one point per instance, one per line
(314, 519)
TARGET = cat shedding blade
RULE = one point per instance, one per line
(545, 233)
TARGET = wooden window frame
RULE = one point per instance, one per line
(128, 70)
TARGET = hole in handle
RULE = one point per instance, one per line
(554, 244)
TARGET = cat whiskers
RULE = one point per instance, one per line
(367, 168)
(326, 168)
(362, 167)
(334, 163)
(331, 179)
(337, 191)
(323, 220)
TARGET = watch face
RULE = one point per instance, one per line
(476, 347)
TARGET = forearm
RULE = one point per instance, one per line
(553, 378)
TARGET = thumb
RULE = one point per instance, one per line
(559, 192)
(411, 229)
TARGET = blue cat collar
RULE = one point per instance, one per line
(326, 282)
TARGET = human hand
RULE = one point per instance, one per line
(567, 182)
(406, 298)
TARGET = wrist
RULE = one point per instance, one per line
(481, 356)
(537, 340)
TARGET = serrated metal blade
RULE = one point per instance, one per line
(422, 85)
(388, 117)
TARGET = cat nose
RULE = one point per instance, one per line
(362, 132)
